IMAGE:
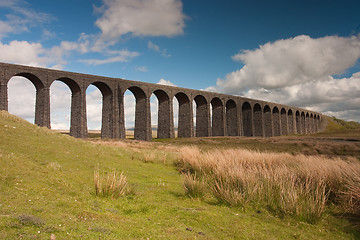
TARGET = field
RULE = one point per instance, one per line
(47, 186)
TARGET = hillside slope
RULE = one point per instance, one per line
(46, 186)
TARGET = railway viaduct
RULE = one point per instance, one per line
(230, 116)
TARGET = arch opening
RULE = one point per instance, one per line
(258, 122)
(22, 98)
(141, 119)
(231, 118)
(303, 123)
(298, 122)
(202, 116)
(291, 122)
(161, 118)
(99, 109)
(247, 119)
(60, 106)
(284, 122)
(217, 123)
(185, 115)
(19, 95)
(268, 130)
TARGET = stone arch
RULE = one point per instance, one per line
(247, 119)
(185, 116)
(315, 123)
(311, 123)
(284, 122)
(202, 116)
(107, 109)
(77, 115)
(303, 123)
(290, 118)
(42, 99)
(217, 117)
(165, 118)
(298, 122)
(268, 122)
(258, 121)
(142, 129)
(231, 118)
(276, 121)
(307, 123)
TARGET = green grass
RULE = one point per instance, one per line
(46, 186)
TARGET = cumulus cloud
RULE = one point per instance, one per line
(32, 54)
(166, 82)
(299, 71)
(140, 18)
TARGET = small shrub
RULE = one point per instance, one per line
(194, 188)
(110, 184)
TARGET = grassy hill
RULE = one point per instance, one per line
(47, 188)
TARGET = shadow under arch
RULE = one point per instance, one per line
(231, 118)
(284, 122)
(165, 126)
(217, 117)
(247, 119)
(267, 121)
(307, 123)
(303, 123)
(202, 116)
(107, 109)
(276, 121)
(298, 122)
(290, 118)
(185, 116)
(258, 122)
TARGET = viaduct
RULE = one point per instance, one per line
(231, 115)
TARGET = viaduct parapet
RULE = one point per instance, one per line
(230, 116)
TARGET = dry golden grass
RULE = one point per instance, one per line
(286, 184)
(110, 184)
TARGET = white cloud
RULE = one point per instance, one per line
(119, 56)
(21, 98)
(32, 54)
(299, 71)
(166, 82)
(60, 105)
(141, 69)
(140, 18)
(21, 17)
(156, 48)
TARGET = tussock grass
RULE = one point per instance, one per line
(299, 186)
(194, 187)
(112, 184)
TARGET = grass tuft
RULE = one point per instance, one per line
(110, 184)
(194, 187)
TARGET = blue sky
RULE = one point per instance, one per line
(302, 53)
